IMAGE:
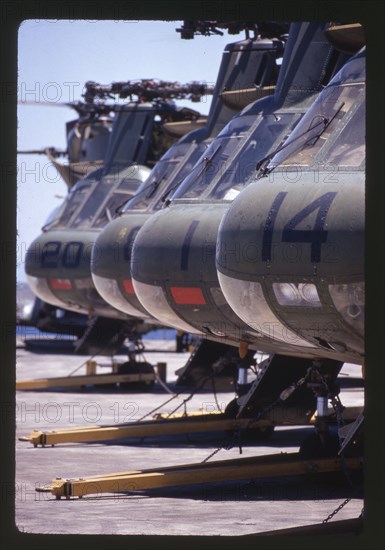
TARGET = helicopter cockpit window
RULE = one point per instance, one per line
(74, 200)
(241, 167)
(101, 194)
(124, 191)
(158, 174)
(86, 214)
(184, 168)
(307, 139)
(161, 171)
(349, 147)
(212, 162)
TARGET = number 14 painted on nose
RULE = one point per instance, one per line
(315, 236)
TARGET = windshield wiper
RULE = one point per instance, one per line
(50, 225)
(168, 191)
(61, 220)
(206, 161)
(262, 164)
(108, 214)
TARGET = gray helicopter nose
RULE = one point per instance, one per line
(110, 264)
(58, 270)
(155, 253)
(290, 259)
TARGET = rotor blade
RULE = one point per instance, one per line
(82, 108)
(45, 103)
(147, 90)
(51, 150)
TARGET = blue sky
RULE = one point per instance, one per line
(56, 58)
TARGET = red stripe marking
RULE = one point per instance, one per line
(187, 295)
(60, 284)
(128, 286)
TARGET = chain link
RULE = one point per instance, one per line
(330, 516)
(204, 379)
(157, 408)
(338, 409)
(282, 397)
(100, 350)
(237, 431)
(212, 454)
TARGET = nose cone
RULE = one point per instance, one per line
(174, 273)
(290, 257)
(155, 254)
(58, 271)
(110, 264)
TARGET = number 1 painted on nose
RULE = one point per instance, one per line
(186, 245)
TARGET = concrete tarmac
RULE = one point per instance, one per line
(226, 508)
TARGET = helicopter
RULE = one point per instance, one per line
(313, 303)
(87, 140)
(317, 297)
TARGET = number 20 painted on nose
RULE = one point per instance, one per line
(315, 236)
(70, 258)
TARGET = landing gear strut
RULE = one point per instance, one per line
(322, 443)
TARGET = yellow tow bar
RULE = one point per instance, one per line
(160, 425)
(275, 465)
